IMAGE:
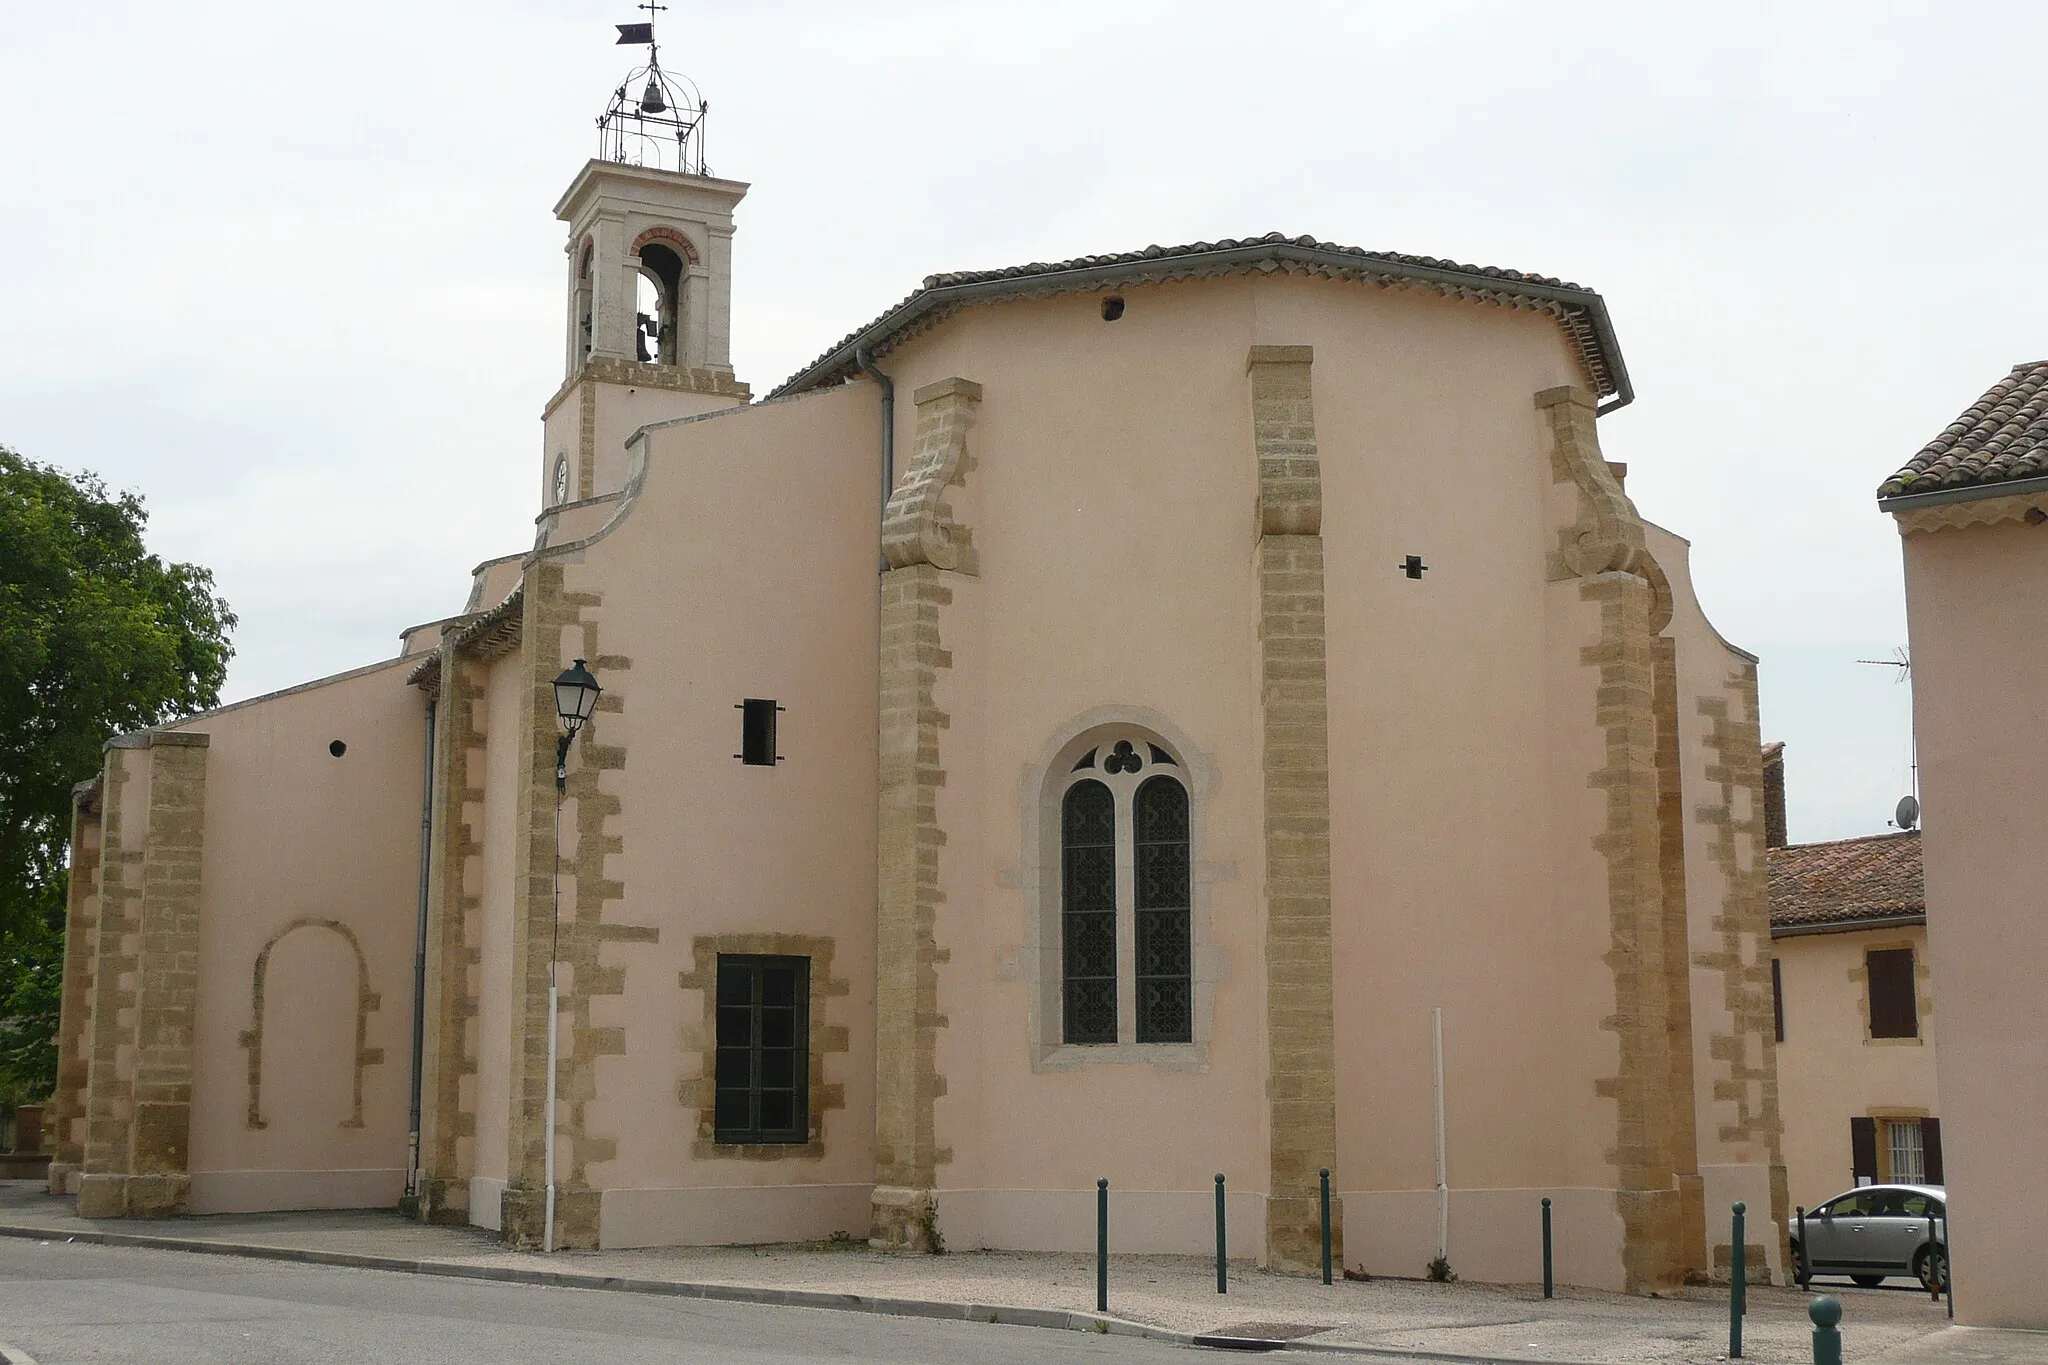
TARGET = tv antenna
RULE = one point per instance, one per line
(1906, 815)
(1901, 660)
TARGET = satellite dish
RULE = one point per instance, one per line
(1908, 813)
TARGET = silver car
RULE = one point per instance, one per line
(1877, 1231)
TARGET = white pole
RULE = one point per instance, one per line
(1443, 1190)
(547, 1236)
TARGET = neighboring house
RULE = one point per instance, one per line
(1972, 512)
(1853, 1011)
(1252, 656)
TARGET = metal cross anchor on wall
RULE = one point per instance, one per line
(1413, 566)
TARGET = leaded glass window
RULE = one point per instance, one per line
(1088, 912)
(1164, 917)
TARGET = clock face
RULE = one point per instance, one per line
(562, 480)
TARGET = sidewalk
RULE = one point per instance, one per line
(1169, 1297)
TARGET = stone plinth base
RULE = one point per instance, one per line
(1294, 1235)
(523, 1214)
(905, 1221)
(63, 1177)
(134, 1196)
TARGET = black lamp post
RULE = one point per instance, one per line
(576, 693)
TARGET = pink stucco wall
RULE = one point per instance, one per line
(1980, 689)
(293, 833)
(745, 567)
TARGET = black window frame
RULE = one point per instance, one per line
(1088, 980)
(1163, 902)
(728, 1049)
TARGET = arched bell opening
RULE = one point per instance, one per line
(657, 330)
(582, 305)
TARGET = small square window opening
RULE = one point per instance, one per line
(757, 732)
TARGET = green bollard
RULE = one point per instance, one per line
(1804, 1270)
(1549, 1290)
(1326, 1225)
(1826, 1311)
(1222, 1264)
(1738, 1283)
(1102, 1246)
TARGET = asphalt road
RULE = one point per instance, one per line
(66, 1302)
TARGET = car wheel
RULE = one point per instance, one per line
(1868, 1281)
(1931, 1268)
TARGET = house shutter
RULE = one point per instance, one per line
(1894, 1013)
(1863, 1149)
(1930, 1146)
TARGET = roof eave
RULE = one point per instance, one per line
(837, 363)
(1848, 926)
(2010, 488)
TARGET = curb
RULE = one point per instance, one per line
(1010, 1315)
(564, 1279)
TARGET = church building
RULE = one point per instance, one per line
(1204, 709)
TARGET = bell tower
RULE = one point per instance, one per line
(649, 298)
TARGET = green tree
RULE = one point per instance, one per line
(97, 637)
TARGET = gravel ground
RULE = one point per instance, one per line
(1177, 1293)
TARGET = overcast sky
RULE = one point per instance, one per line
(291, 272)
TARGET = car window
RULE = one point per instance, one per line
(1850, 1206)
(1918, 1206)
(1888, 1203)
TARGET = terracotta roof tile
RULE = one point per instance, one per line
(1579, 311)
(2001, 437)
(1846, 880)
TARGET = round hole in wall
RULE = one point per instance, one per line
(1112, 307)
(337, 748)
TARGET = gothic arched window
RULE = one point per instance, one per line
(1088, 912)
(1126, 905)
(1164, 912)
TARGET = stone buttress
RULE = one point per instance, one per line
(1295, 744)
(923, 548)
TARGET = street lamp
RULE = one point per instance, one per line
(576, 693)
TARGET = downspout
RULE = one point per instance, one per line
(419, 966)
(866, 362)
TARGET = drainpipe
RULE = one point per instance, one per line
(419, 965)
(866, 362)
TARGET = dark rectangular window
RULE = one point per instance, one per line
(764, 1049)
(1894, 1012)
(1778, 998)
(757, 732)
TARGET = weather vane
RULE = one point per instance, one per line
(663, 126)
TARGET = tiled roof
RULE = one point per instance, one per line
(1579, 310)
(1847, 881)
(2001, 437)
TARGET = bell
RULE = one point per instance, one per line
(651, 101)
